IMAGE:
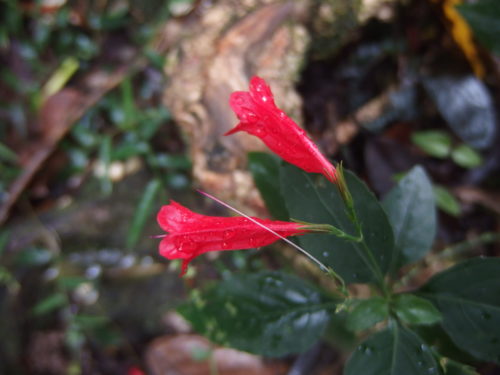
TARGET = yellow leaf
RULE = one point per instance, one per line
(462, 34)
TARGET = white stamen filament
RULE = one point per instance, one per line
(321, 265)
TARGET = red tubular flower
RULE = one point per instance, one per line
(191, 234)
(259, 116)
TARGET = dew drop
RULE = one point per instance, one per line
(325, 253)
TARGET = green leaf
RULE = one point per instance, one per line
(142, 212)
(465, 156)
(483, 17)
(433, 142)
(468, 296)
(367, 313)
(446, 201)
(267, 313)
(415, 310)
(315, 200)
(265, 169)
(466, 105)
(412, 213)
(395, 351)
(53, 302)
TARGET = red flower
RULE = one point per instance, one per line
(191, 234)
(259, 116)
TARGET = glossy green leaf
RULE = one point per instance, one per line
(465, 156)
(468, 296)
(311, 198)
(395, 351)
(433, 142)
(142, 212)
(412, 213)
(267, 313)
(415, 310)
(265, 169)
(446, 201)
(466, 105)
(366, 313)
(483, 17)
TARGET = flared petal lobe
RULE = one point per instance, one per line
(191, 234)
(259, 116)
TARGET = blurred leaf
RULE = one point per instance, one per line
(412, 213)
(33, 257)
(468, 296)
(446, 201)
(70, 282)
(267, 313)
(465, 156)
(265, 169)
(60, 77)
(105, 159)
(7, 154)
(484, 18)
(461, 33)
(155, 118)
(366, 313)
(177, 181)
(433, 142)
(128, 104)
(49, 304)
(311, 198)
(129, 148)
(415, 310)
(395, 351)
(142, 212)
(156, 59)
(179, 162)
(466, 105)
(84, 134)
(88, 322)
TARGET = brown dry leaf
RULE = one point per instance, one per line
(176, 355)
